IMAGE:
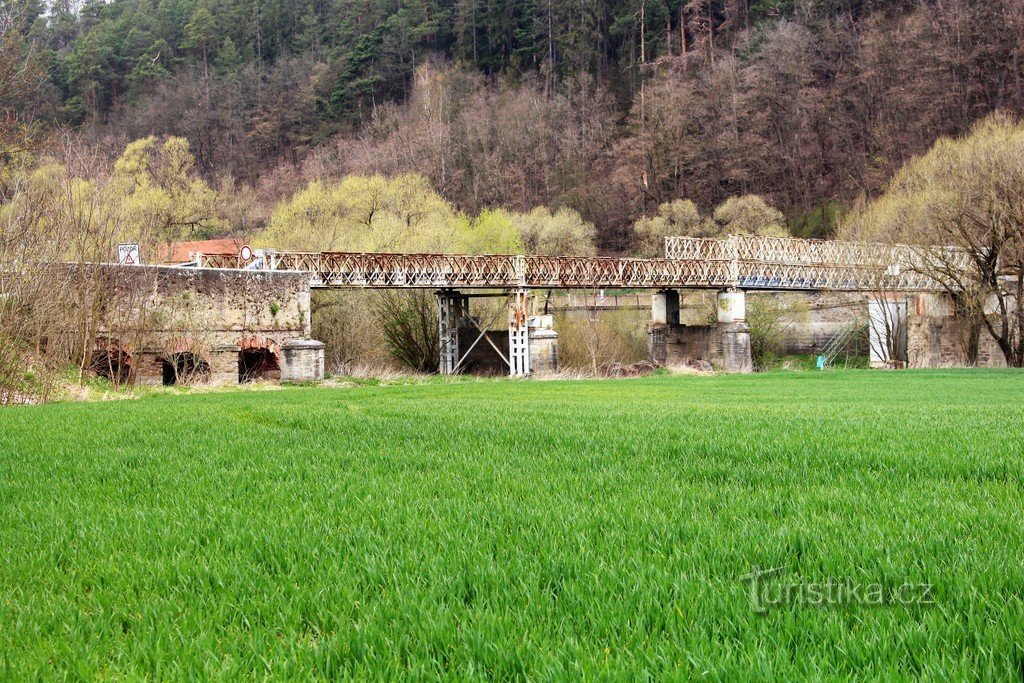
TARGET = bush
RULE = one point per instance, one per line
(769, 318)
(345, 322)
(592, 341)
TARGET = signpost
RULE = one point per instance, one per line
(129, 254)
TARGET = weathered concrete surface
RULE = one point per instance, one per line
(812, 320)
(302, 360)
(734, 341)
(665, 308)
(817, 317)
(725, 345)
(543, 350)
(937, 338)
(163, 315)
(732, 307)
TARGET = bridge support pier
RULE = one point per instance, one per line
(518, 334)
(543, 345)
(724, 344)
(665, 307)
(452, 307)
(733, 331)
(532, 344)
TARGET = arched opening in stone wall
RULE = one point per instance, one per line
(111, 360)
(258, 359)
(183, 363)
(184, 367)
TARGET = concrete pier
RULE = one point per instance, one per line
(302, 360)
(543, 344)
(725, 344)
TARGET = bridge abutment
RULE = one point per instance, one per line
(165, 325)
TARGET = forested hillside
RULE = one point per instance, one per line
(609, 107)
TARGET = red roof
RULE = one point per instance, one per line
(181, 252)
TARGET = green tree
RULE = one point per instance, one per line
(750, 215)
(366, 213)
(966, 193)
(200, 34)
(151, 66)
(492, 232)
(228, 57)
(562, 233)
(679, 217)
(156, 186)
(374, 213)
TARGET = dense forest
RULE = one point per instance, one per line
(611, 108)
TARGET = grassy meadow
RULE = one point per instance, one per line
(481, 529)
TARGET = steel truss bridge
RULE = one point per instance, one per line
(735, 262)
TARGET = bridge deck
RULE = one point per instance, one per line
(745, 262)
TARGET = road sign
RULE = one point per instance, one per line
(246, 253)
(129, 254)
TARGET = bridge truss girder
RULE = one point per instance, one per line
(744, 262)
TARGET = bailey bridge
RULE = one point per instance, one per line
(736, 262)
(729, 265)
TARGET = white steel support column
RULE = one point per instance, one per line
(518, 334)
(450, 308)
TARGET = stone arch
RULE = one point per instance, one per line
(184, 362)
(112, 360)
(259, 358)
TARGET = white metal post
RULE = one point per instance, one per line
(518, 334)
(449, 308)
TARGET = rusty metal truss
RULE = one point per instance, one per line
(446, 271)
(744, 262)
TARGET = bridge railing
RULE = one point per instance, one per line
(499, 271)
(338, 269)
(699, 248)
(219, 261)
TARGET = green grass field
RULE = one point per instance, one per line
(498, 528)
